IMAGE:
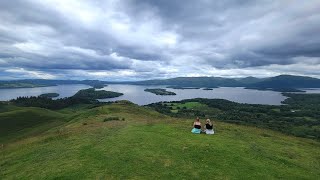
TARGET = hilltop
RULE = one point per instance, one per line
(125, 141)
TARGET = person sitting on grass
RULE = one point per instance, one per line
(196, 126)
(208, 127)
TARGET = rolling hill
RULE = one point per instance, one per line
(19, 122)
(145, 144)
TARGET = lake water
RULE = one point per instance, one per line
(137, 95)
(312, 90)
(63, 90)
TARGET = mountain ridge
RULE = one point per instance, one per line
(281, 81)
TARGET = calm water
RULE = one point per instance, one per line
(312, 90)
(136, 94)
(63, 90)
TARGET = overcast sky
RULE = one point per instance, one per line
(147, 39)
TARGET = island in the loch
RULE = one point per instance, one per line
(49, 95)
(162, 92)
(91, 93)
(207, 89)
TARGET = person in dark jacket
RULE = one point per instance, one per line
(208, 127)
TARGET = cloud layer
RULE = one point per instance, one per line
(145, 39)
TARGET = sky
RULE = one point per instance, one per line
(146, 39)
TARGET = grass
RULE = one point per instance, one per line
(191, 106)
(149, 145)
(26, 121)
(113, 119)
(188, 105)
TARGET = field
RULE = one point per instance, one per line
(147, 145)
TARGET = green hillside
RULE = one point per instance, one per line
(147, 145)
(21, 122)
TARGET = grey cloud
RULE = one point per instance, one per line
(289, 31)
(158, 39)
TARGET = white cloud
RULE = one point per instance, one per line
(28, 74)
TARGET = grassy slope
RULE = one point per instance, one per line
(149, 145)
(19, 122)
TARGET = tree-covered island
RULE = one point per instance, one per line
(162, 92)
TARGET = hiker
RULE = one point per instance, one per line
(196, 126)
(208, 127)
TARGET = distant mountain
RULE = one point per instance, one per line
(209, 82)
(249, 80)
(29, 83)
(282, 82)
(288, 81)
